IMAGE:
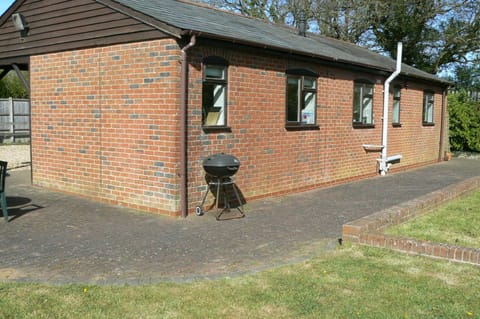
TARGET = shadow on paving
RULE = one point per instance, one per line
(60, 238)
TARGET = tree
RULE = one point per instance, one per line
(467, 77)
(436, 34)
(346, 20)
(11, 86)
(273, 10)
(464, 120)
(409, 22)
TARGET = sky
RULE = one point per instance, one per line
(4, 4)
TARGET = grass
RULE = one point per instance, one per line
(351, 282)
(455, 223)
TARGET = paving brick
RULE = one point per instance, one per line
(61, 238)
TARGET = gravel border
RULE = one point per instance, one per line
(469, 155)
(17, 155)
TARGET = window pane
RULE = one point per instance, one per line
(396, 112)
(363, 103)
(292, 99)
(396, 92)
(428, 108)
(215, 72)
(218, 95)
(367, 110)
(396, 105)
(357, 106)
(429, 113)
(309, 83)
(213, 104)
(308, 112)
(368, 89)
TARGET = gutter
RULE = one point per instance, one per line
(183, 127)
(384, 161)
(443, 124)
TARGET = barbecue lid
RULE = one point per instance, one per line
(221, 160)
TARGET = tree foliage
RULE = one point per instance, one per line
(345, 20)
(410, 22)
(11, 86)
(274, 10)
(464, 119)
(467, 77)
(435, 33)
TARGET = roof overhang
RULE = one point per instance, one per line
(22, 62)
(320, 58)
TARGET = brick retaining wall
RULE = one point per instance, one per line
(369, 230)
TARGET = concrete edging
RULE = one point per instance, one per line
(369, 230)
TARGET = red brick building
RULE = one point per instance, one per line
(129, 97)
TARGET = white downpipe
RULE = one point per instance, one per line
(384, 165)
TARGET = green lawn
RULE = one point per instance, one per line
(456, 223)
(351, 282)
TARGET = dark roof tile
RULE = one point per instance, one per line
(220, 24)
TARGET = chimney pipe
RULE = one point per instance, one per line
(302, 24)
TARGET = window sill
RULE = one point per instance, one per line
(217, 129)
(301, 127)
(362, 126)
(428, 124)
(397, 124)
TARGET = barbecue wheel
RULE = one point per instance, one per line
(198, 211)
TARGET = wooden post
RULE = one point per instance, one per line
(10, 119)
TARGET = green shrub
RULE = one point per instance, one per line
(464, 117)
(11, 86)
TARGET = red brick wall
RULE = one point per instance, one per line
(417, 143)
(275, 160)
(104, 123)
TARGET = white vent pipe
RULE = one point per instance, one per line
(384, 165)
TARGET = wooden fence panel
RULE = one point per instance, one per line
(474, 95)
(14, 120)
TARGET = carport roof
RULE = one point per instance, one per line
(218, 24)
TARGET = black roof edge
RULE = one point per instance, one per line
(338, 62)
(304, 57)
(444, 83)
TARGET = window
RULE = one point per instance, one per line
(214, 92)
(363, 104)
(397, 92)
(428, 108)
(301, 107)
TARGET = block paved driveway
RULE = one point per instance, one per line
(59, 238)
